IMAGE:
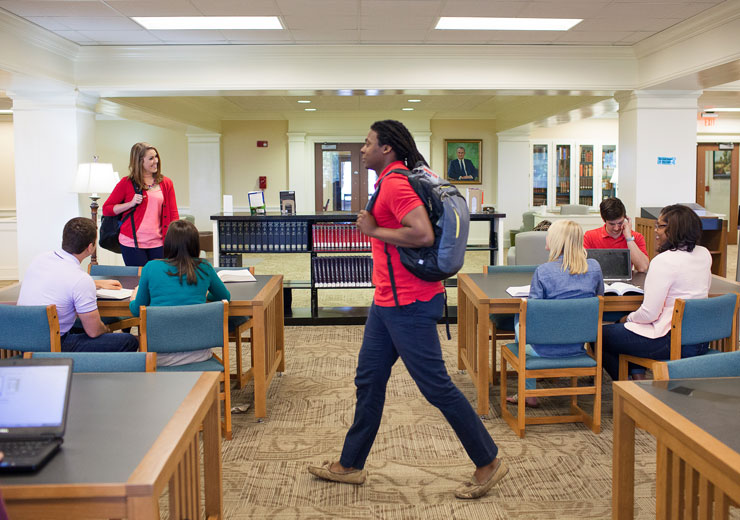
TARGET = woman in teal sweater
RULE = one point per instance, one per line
(181, 278)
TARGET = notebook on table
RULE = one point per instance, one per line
(616, 265)
(34, 398)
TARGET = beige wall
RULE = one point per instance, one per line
(469, 129)
(7, 168)
(604, 131)
(244, 162)
(114, 139)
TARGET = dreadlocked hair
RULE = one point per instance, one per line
(397, 136)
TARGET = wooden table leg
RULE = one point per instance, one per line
(462, 317)
(258, 349)
(213, 485)
(623, 464)
(481, 382)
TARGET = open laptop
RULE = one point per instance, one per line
(34, 398)
(616, 265)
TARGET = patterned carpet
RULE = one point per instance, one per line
(556, 471)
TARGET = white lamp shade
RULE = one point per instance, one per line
(95, 178)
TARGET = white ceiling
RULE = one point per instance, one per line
(342, 22)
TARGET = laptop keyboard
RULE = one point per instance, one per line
(23, 449)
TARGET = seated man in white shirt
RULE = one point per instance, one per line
(57, 278)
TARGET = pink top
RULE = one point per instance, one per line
(149, 232)
(672, 274)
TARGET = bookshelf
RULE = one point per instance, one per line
(340, 255)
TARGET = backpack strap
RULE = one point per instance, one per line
(390, 273)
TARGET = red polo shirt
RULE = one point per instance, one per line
(599, 239)
(395, 200)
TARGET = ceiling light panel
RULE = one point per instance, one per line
(471, 23)
(165, 23)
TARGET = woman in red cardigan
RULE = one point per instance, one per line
(150, 196)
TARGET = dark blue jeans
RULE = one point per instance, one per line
(409, 331)
(138, 256)
(616, 339)
(111, 342)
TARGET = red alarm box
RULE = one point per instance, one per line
(263, 182)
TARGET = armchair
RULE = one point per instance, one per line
(723, 364)
(28, 328)
(104, 361)
(530, 249)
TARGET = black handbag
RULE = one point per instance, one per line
(110, 227)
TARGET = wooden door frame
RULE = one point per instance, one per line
(701, 149)
(359, 175)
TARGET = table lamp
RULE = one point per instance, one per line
(94, 178)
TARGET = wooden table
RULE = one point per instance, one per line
(128, 436)
(263, 300)
(482, 294)
(696, 424)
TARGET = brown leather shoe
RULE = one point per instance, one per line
(354, 476)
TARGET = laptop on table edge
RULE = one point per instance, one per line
(616, 264)
(34, 400)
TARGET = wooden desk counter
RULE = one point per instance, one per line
(482, 294)
(128, 436)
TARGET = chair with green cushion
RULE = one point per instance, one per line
(701, 320)
(555, 322)
(501, 326)
(238, 326)
(28, 328)
(104, 361)
(723, 364)
(187, 328)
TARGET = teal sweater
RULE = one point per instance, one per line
(157, 288)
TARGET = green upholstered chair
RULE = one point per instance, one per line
(104, 361)
(28, 328)
(186, 328)
(723, 364)
(702, 320)
(555, 322)
(501, 326)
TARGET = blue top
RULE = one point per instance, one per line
(157, 288)
(550, 282)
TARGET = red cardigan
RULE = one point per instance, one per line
(124, 192)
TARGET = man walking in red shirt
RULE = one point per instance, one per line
(407, 329)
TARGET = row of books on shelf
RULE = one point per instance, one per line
(342, 271)
(343, 235)
(229, 260)
(586, 170)
(263, 236)
(587, 155)
(586, 201)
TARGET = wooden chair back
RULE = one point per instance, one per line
(28, 328)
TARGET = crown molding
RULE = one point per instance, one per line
(38, 37)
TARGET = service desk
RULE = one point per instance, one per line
(262, 300)
(482, 294)
(128, 436)
(696, 424)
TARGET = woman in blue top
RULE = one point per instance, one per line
(181, 278)
(568, 274)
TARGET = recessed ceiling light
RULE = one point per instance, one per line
(372, 92)
(310, 109)
(304, 101)
(162, 23)
(407, 109)
(344, 92)
(722, 109)
(414, 100)
(470, 23)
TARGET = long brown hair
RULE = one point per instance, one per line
(136, 158)
(181, 250)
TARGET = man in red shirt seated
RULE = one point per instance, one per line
(617, 234)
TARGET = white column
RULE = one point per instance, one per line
(300, 176)
(423, 144)
(204, 162)
(513, 179)
(655, 124)
(53, 133)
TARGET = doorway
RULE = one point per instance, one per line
(342, 181)
(717, 182)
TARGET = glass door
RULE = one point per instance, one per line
(717, 182)
(608, 171)
(562, 179)
(586, 175)
(539, 174)
(341, 179)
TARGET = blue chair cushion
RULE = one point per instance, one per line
(540, 363)
(210, 365)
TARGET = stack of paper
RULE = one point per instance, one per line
(519, 292)
(236, 275)
(114, 294)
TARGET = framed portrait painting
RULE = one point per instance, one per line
(721, 167)
(463, 161)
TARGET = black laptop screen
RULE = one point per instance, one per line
(615, 263)
(33, 396)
